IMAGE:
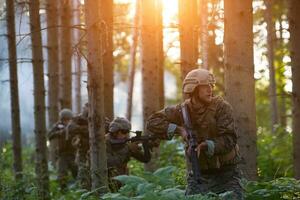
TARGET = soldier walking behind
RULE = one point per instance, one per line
(65, 150)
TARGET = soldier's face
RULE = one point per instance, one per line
(122, 135)
(66, 121)
(205, 93)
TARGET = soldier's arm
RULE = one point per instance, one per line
(55, 132)
(164, 123)
(227, 137)
(140, 155)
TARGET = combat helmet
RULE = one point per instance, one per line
(119, 124)
(197, 77)
(65, 114)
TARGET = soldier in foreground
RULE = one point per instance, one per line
(119, 153)
(65, 151)
(207, 120)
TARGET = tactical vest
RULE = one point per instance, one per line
(205, 126)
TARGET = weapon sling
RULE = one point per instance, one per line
(192, 143)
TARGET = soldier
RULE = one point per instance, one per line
(79, 130)
(65, 151)
(118, 155)
(213, 124)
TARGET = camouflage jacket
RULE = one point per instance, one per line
(60, 132)
(213, 123)
(79, 130)
(119, 155)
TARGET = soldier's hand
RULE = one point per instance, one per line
(182, 132)
(134, 147)
(201, 147)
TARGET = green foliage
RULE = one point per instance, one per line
(158, 185)
(275, 154)
(281, 188)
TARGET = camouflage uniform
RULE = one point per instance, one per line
(118, 155)
(65, 153)
(214, 124)
(79, 130)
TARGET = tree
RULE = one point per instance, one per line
(188, 30)
(271, 37)
(150, 68)
(239, 77)
(65, 54)
(203, 32)
(77, 57)
(108, 65)
(41, 167)
(53, 68)
(132, 63)
(294, 22)
(96, 94)
(14, 93)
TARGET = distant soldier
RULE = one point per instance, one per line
(210, 121)
(65, 150)
(79, 130)
(118, 155)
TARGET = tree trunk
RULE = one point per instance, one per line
(188, 30)
(65, 54)
(132, 63)
(150, 68)
(41, 167)
(203, 33)
(77, 57)
(160, 51)
(14, 91)
(96, 95)
(239, 77)
(271, 37)
(53, 68)
(294, 22)
(108, 65)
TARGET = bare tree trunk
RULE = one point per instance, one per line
(77, 58)
(150, 68)
(65, 54)
(294, 22)
(188, 30)
(239, 77)
(14, 90)
(53, 68)
(132, 62)
(96, 95)
(204, 33)
(41, 167)
(160, 51)
(270, 46)
(108, 65)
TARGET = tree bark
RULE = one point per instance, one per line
(53, 68)
(132, 62)
(188, 31)
(239, 77)
(96, 94)
(77, 57)
(65, 54)
(203, 33)
(294, 22)
(41, 167)
(150, 68)
(14, 90)
(271, 37)
(108, 65)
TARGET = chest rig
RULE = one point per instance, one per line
(204, 124)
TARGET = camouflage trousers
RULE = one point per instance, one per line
(218, 182)
(65, 164)
(83, 177)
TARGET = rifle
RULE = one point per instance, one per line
(137, 138)
(192, 143)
